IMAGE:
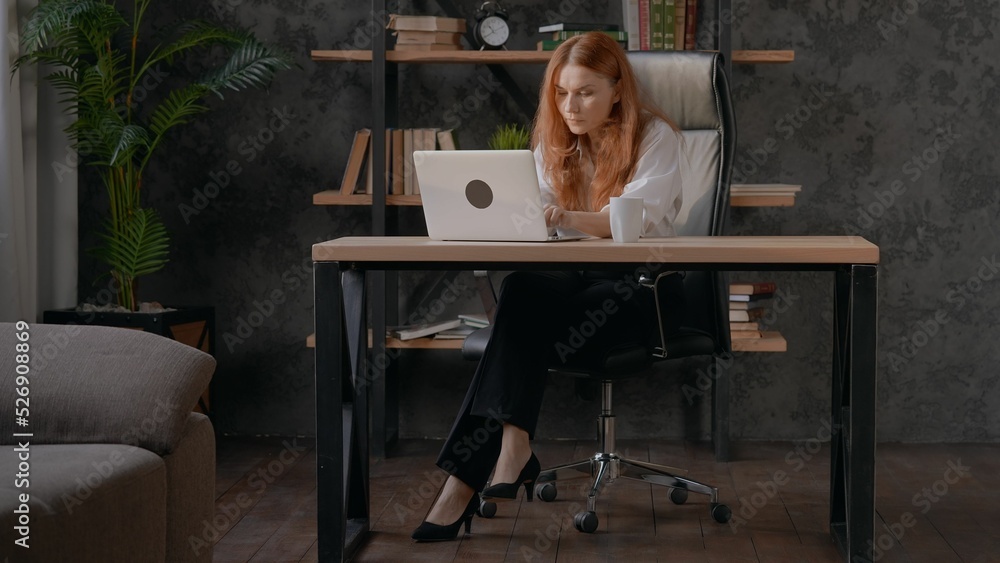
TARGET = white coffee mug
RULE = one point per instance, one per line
(626, 218)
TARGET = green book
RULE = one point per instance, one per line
(669, 21)
(563, 35)
(656, 25)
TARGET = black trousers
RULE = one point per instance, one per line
(543, 320)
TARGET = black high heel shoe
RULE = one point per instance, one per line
(508, 491)
(436, 532)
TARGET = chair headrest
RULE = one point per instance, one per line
(683, 84)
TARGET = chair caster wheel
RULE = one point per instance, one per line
(546, 491)
(487, 509)
(721, 513)
(586, 522)
(678, 495)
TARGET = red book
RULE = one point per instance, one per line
(644, 23)
(690, 25)
(752, 288)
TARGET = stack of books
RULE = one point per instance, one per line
(422, 330)
(748, 303)
(427, 33)
(564, 30)
(469, 324)
(399, 147)
(660, 25)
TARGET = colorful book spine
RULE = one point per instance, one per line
(690, 25)
(630, 15)
(564, 35)
(669, 11)
(656, 8)
(644, 25)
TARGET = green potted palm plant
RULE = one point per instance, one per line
(100, 63)
(103, 66)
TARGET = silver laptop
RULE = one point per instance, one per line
(482, 195)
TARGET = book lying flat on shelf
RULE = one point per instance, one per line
(750, 298)
(409, 332)
(751, 288)
(427, 37)
(478, 320)
(458, 333)
(428, 47)
(745, 334)
(748, 315)
(749, 325)
(426, 23)
(744, 305)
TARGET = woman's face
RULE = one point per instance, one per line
(584, 98)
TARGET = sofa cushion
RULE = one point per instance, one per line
(92, 384)
(88, 502)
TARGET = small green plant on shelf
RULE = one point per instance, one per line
(510, 136)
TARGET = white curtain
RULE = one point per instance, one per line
(38, 187)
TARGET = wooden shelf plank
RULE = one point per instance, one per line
(416, 343)
(772, 341)
(763, 195)
(745, 56)
(761, 200)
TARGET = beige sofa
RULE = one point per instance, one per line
(117, 468)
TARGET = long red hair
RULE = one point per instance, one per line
(616, 157)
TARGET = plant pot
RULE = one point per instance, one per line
(194, 326)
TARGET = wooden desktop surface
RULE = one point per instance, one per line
(681, 250)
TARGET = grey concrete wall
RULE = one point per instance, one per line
(886, 118)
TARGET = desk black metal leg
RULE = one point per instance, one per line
(341, 430)
(852, 459)
(720, 411)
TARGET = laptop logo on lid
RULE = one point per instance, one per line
(479, 194)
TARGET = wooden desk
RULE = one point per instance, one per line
(342, 404)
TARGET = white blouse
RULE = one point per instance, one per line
(657, 181)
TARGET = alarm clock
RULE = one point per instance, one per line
(491, 30)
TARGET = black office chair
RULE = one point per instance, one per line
(691, 88)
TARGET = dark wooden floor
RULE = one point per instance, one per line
(935, 503)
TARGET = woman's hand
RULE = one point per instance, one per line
(556, 216)
(594, 223)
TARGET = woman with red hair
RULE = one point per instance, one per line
(594, 138)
